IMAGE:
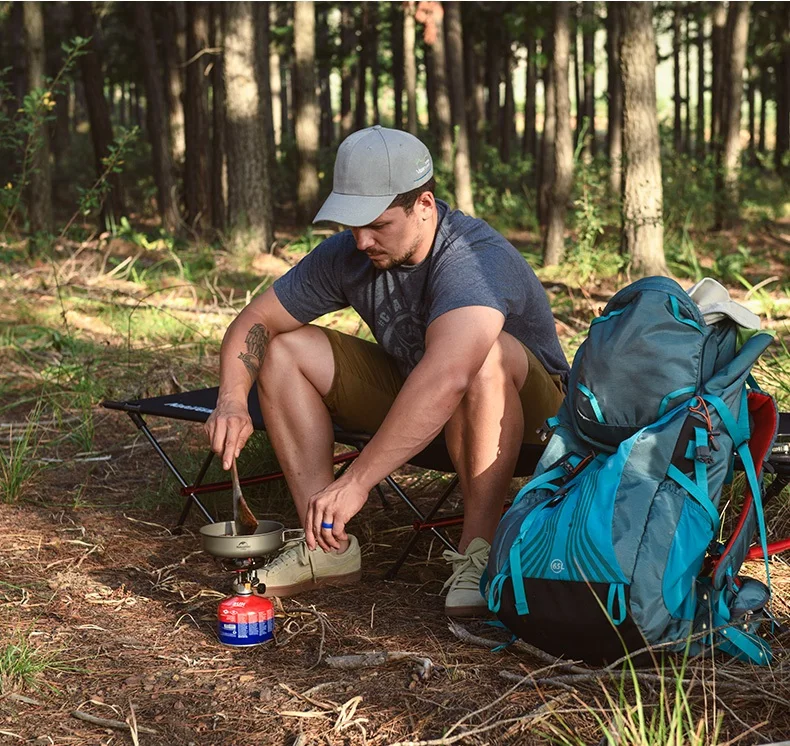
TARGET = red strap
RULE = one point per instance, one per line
(762, 411)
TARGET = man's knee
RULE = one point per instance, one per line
(505, 366)
(304, 351)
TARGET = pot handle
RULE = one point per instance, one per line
(296, 534)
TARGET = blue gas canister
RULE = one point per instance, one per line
(245, 620)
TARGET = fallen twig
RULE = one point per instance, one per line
(105, 723)
(369, 660)
(25, 700)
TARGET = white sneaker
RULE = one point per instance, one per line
(296, 569)
(463, 597)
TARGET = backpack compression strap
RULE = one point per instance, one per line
(763, 413)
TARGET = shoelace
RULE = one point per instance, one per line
(292, 551)
(465, 564)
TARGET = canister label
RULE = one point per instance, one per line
(245, 621)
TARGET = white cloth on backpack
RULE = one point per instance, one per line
(715, 304)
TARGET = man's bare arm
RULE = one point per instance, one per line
(241, 357)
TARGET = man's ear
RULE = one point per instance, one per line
(425, 204)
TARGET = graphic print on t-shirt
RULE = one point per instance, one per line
(401, 331)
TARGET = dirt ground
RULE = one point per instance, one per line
(128, 610)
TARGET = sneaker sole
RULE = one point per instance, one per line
(285, 591)
(467, 612)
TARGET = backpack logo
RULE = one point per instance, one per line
(557, 566)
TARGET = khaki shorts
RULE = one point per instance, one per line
(367, 380)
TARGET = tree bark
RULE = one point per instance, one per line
(219, 174)
(348, 51)
(577, 74)
(718, 47)
(164, 174)
(306, 116)
(39, 188)
(431, 15)
(700, 129)
(643, 227)
(91, 71)
(782, 91)
(589, 24)
(261, 17)
(275, 84)
(732, 97)
(677, 96)
(763, 112)
(249, 188)
(687, 70)
(172, 24)
(615, 85)
(529, 143)
(507, 119)
(546, 163)
(196, 116)
(494, 44)
(323, 54)
(474, 106)
(461, 164)
(410, 65)
(554, 245)
(373, 59)
(360, 105)
(396, 16)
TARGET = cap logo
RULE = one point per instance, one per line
(423, 166)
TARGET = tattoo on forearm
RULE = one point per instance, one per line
(257, 340)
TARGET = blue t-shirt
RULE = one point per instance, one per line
(470, 264)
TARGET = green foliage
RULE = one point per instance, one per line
(18, 464)
(23, 666)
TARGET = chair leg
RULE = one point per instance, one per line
(198, 481)
(192, 497)
(441, 535)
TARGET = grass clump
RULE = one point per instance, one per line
(24, 666)
(18, 465)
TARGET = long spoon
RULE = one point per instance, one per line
(244, 521)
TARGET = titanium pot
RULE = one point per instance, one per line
(221, 539)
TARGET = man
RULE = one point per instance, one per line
(466, 344)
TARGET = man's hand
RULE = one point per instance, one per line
(228, 428)
(337, 504)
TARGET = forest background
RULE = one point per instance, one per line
(161, 163)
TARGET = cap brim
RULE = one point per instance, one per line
(351, 209)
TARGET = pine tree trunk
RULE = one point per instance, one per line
(474, 106)
(507, 118)
(275, 84)
(577, 74)
(360, 105)
(493, 74)
(782, 90)
(373, 59)
(615, 86)
(164, 173)
(306, 116)
(172, 24)
(687, 68)
(455, 63)
(643, 227)
(589, 23)
(262, 19)
(39, 189)
(219, 174)
(718, 47)
(348, 43)
(763, 112)
(677, 96)
(732, 97)
(430, 87)
(323, 52)
(700, 129)
(529, 143)
(751, 87)
(92, 74)
(410, 66)
(434, 38)
(554, 245)
(196, 117)
(249, 186)
(548, 139)
(396, 16)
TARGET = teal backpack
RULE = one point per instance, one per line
(614, 544)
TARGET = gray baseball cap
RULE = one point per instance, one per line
(372, 167)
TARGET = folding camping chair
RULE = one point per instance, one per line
(196, 406)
